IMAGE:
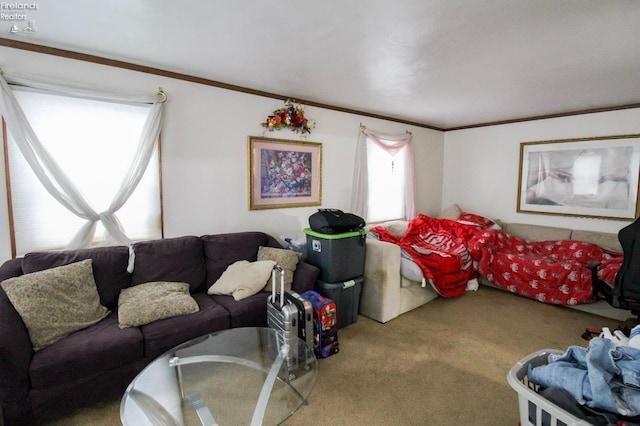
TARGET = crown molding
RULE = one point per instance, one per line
(31, 47)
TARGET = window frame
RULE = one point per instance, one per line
(402, 207)
(96, 241)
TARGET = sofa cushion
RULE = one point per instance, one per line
(148, 302)
(243, 278)
(249, 312)
(536, 232)
(56, 302)
(171, 259)
(55, 401)
(109, 267)
(98, 348)
(162, 335)
(222, 250)
(286, 258)
(605, 240)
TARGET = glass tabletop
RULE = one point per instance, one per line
(252, 376)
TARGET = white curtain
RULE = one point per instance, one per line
(393, 145)
(53, 177)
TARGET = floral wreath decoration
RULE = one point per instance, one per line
(289, 116)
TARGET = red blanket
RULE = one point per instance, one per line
(549, 271)
(451, 253)
(438, 246)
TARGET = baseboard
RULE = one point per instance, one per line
(600, 308)
(603, 309)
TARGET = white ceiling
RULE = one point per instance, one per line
(441, 63)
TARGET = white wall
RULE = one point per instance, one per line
(481, 164)
(204, 150)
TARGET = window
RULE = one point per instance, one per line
(383, 177)
(95, 143)
(386, 177)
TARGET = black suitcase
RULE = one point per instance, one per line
(305, 316)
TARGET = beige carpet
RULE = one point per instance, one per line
(442, 364)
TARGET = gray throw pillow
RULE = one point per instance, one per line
(56, 302)
(286, 258)
(148, 302)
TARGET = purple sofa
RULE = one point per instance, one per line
(99, 362)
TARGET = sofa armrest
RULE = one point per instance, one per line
(304, 277)
(380, 296)
(15, 357)
(11, 268)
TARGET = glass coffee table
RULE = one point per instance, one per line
(240, 376)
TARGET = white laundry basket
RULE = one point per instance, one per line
(534, 408)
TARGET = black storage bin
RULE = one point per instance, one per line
(346, 295)
(339, 257)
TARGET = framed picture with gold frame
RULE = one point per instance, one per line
(284, 173)
(589, 177)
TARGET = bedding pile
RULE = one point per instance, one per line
(450, 253)
(550, 271)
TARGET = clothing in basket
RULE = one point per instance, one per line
(602, 376)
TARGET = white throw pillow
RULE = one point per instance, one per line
(410, 270)
(243, 278)
(452, 212)
(397, 228)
